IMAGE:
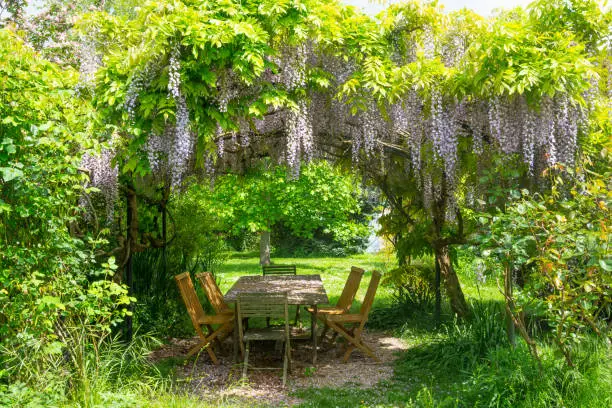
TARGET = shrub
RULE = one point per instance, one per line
(112, 374)
(414, 294)
(56, 297)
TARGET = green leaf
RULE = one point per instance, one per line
(10, 173)
(606, 264)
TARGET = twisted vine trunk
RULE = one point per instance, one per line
(451, 281)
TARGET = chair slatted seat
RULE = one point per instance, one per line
(251, 305)
(339, 322)
(199, 318)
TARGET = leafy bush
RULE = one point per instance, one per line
(562, 239)
(56, 297)
(321, 243)
(414, 294)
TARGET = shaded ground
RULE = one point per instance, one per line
(199, 377)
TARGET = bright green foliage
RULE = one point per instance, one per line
(322, 197)
(50, 281)
(536, 53)
(563, 245)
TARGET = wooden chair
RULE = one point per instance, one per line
(214, 294)
(279, 270)
(251, 305)
(344, 302)
(282, 270)
(199, 318)
(339, 322)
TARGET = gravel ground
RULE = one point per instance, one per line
(223, 382)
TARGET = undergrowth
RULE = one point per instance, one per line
(471, 364)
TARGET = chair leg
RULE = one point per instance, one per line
(289, 354)
(348, 352)
(206, 343)
(354, 339)
(246, 361)
(210, 332)
(285, 363)
(323, 333)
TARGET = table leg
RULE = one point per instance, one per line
(235, 336)
(313, 324)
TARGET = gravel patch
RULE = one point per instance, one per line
(201, 378)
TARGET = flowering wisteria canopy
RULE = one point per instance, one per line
(201, 85)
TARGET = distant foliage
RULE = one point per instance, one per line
(322, 198)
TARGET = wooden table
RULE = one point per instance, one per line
(301, 290)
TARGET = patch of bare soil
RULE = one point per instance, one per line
(200, 377)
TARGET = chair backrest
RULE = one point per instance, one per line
(262, 305)
(369, 297)
(214, 294)
(350, 289)
(278, 270)
(190, 298)
(272, 305)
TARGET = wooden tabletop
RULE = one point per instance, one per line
(301, 289)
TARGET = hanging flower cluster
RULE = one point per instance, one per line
(89, 61)
(552, 130)
(183, 145)
(168, 153)
(299, 136)
(140, 81)
(103, 175)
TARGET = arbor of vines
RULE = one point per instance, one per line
(420, 101)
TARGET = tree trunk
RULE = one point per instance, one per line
(451, 281)
(264, 248)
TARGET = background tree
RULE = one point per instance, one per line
(322, 197)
